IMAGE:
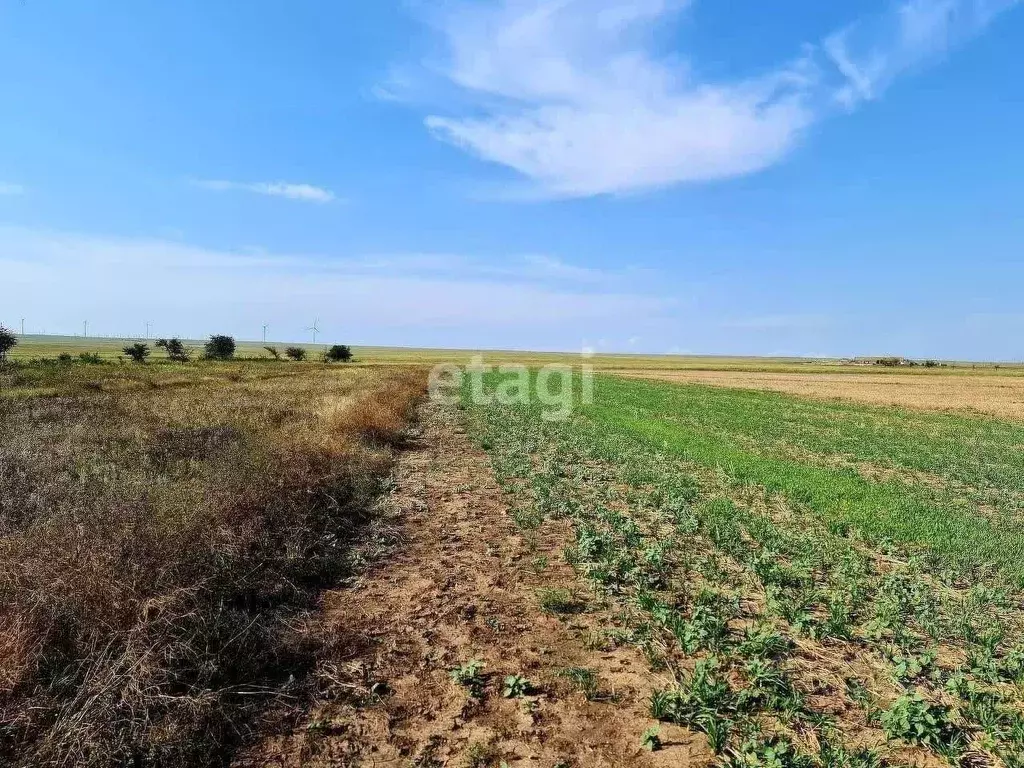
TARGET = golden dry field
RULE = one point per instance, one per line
(964, 391)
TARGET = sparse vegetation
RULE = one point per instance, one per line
(273, 352)
(164, 536)
(753, 542)
(295, 353)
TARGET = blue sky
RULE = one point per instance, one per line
(630, 175)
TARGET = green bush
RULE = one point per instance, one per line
(296, 353)
(8, 341)
(175, 349)
(220, 347)
(137, 352)
(339, 353)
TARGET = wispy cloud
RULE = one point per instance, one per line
(425, 299)
(871, 53)
(304, 192)
(570, 94)
(6, 188)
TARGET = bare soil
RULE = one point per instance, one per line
(462, 584)
(1001, 396)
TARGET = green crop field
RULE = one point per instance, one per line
(826, 583)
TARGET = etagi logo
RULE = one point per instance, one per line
(553, 386)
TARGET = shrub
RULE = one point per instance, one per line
(890, 362)
(175, 349)
(220, 347)
(273, 352)
(296, 353)
(137, 352)
(90, 358)
(339, 353)
(8, 341)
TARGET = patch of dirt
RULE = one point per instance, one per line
(996, 395)
(462, 585)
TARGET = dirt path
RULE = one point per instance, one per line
(463, 585)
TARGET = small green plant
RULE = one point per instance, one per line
(760, 752)
(916, 720)
(762, 641)
(298, 354)
(700, 693)
(515, 687)
(480, 755)
(651, 739)
(469, 676)
(583, 679)
(560, 601)
(273, 352)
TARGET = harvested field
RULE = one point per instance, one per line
(990, 393)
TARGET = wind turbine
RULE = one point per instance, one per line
(314, 329)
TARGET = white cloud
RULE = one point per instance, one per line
(415, 299)
(572, 95)
(6, 188)
(873, 52)
(304, 192)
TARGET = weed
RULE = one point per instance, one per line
(758, 752)
(481, 755)
(515, 687)
(916, 720)
(585, 680)
(651, 739)
(560, 601)
(700, 693)
(469, 677)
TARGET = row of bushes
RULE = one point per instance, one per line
(219, 347)
(896, 362)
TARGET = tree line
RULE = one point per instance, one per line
(219, 347)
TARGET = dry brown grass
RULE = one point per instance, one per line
(161, 535)
(1001, 396)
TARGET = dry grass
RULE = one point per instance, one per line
(162, 533)
(1001, 396)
